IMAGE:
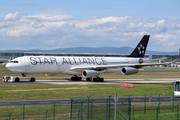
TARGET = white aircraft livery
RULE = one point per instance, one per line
(88, 67)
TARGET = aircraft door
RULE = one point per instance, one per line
(27, 64)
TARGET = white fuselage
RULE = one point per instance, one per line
(62, 65)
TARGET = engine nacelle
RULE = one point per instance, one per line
(141, 60)
(90, 73)
(129, 70)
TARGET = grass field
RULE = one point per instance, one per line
(16, 93)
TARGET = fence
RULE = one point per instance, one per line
(23, 112)
(98, 108)
(156, 110)
(101, 109)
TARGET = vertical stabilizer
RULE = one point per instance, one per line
(140, 49)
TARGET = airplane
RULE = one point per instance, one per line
(88, 67)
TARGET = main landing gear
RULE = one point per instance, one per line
(76, 78)
(97, 79)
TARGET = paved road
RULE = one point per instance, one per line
(107, 81)
(21, 83)
(135, 100)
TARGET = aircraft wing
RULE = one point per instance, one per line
(104, 67)
(149, 60)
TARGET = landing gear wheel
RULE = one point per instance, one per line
(94, 79)
(79, 78)
(17, 79)
(32, 79)
(72, 78)
(88, 79)
(98, 79)
(76, 78)
(101, 79)
(24, 75)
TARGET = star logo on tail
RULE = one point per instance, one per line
(141, 49)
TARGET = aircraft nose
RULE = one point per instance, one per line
(15, 67)
(11, 67)
(8, 66)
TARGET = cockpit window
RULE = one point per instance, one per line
(14, 62)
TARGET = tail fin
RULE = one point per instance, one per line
(140, 49)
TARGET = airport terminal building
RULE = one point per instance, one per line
(170, 58)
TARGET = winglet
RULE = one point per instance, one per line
(140, 49)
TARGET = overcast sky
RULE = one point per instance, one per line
(53, 24)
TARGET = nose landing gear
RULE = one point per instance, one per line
(24, 75)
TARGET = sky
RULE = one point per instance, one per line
(54, 24)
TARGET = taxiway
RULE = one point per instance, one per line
(107, 81)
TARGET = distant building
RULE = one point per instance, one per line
(170, 58)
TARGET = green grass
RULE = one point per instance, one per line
(3, 69)
(16, 93)
(35, 112)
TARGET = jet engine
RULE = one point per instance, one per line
(129, 70)
(90, 73)
(141, 60)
